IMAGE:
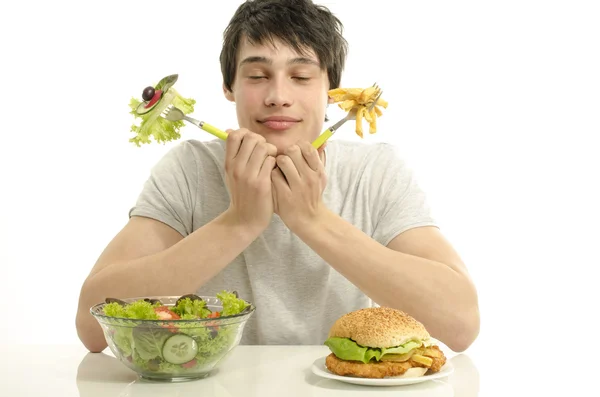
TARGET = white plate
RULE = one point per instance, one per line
(319, 369)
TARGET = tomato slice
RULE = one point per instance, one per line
(155, 98)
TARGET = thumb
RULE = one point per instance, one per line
(321, 150)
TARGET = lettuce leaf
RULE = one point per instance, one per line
(148, 342)
(347, 349)
(231, 304)
(114, 309)
(189, 309)
(213, 349)
(154, 126)
(139, 310)
(123, 339)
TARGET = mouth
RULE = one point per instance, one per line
(279, 123)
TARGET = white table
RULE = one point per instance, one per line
(69, 370)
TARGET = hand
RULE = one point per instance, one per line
(298, 185)
(249, 160)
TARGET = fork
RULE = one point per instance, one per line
(321, 139)
(173, 113)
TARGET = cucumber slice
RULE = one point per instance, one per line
(141, 109)
(179, 349)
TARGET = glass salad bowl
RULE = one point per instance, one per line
(173, 338)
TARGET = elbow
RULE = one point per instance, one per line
(95, 347)
(88, 330)
(466, 331)
(90, 334)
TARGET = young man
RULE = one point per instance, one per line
(305, 235)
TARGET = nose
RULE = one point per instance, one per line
(278, 94)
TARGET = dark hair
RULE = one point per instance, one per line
(301, 24)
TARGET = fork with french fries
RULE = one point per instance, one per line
(360, 104)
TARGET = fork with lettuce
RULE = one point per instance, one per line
(155, 99)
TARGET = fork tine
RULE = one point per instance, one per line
(377, 89)
(375, 100)
(167, 110)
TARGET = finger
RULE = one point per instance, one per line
(289, 171)
(267, 167)
(232, 144)
(249, 142)
(311, 155)
(321, 150)
(257, 158)
(279, 184)
(271, 149)
(295, 153)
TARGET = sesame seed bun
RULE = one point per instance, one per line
(379, 327)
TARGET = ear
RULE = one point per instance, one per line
(228, 94)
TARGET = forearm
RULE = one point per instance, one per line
(442, 298)
(178, 270)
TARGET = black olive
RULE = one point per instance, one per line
(191, 296)
(148, 93)
(153, 301)
(213, 333)
(119, 301)
(154, 364)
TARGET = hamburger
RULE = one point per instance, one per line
(381, 342)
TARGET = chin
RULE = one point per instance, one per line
(281, 140)
(281, 143)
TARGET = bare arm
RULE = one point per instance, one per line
(419, 272)
(150, 258)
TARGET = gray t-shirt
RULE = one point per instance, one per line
(298, 296)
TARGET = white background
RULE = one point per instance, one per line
(494, 104)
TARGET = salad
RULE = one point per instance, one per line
(155, 99)
(172, 343)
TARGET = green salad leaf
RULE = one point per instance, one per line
(189, 309)
(347, 349)
(123, 338)
(139, 310)
(152, 125)
(148, 342)
(211, 349)
(231, 304)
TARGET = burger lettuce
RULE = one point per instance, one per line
(347, 349)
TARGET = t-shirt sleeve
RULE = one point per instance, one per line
(169, 193)
(400, 204)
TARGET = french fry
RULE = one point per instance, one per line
(368, 116)
(359, 117)
(360, 99)
(382, 103)
(348, 104)
(366, 95)
(426, 361)
(373, 123)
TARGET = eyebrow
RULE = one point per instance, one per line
(265, 60)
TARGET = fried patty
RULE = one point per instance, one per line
(383, 369)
